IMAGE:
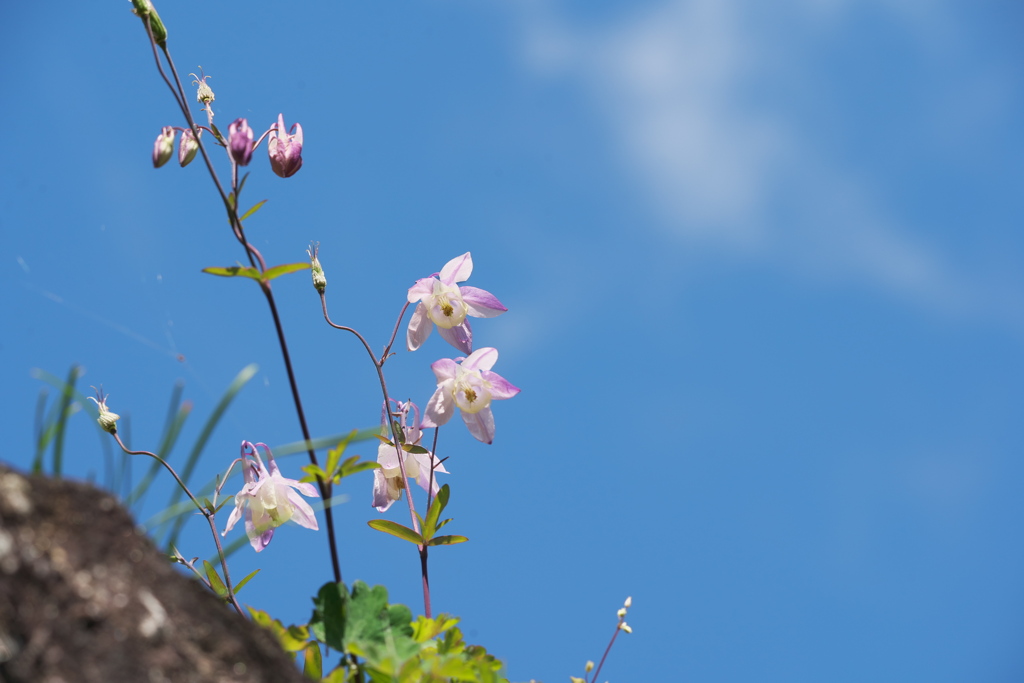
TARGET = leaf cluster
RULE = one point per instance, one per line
(380, 642)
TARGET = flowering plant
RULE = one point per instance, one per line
(376, 640)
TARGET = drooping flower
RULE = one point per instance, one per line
(163, 148)
(187, 147)
(387, 481)
(268, 498)
(445, 304)
(285, 150)
(469, 386)
(240, 141)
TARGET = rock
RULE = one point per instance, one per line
(85, 596)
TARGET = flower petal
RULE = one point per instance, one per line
(420, 326)
(304, 487)
(458, 269)
(460, 336)
(381, 500)
(236, 515)
(423, 287)
(501, 388)
(481, 359)
(444, 369)
(480, 424)
(481, 303)
(302, 513)
(440, 406)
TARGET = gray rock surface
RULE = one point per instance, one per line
(85, 596)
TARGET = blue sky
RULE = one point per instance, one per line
(766, 306)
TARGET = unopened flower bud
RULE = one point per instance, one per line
(621, 613)
(107, 419)
(285, 150)
(589, 667)
(187, 147)
(629, 602)
(143, 9)
(623, 626)
(163, 148)
(240, 141)
(319, 279)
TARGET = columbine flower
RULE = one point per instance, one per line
(187, 147)
(285, 150)
(443, 303)
(163, 148)
(107, 419)
(268, 498)
(240, 141)
(387, 481)
(470, 387)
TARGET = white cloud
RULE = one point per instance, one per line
(691, 89)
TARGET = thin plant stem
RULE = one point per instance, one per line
(618, 627)
(378, 364)
(208, 514)
(256, 260)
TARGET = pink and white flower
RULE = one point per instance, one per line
(442, 302)
(269, 499)
(469, 386)
(387, 480)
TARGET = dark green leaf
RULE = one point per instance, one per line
(412, 448)
(216, 134)
(395, 529)
(330, 611)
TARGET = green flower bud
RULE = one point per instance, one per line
(143, 9)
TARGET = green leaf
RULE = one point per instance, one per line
(436, 507)
(443, 495)
(396, 529)
(253, 210)
(216, 134)
(241, 584)
(242, 183)
(330, 610)
(235, 271)
(65, 404)
(447, 540)
(313, 664)
(278, 271)
(215, 582)
(347, 471)
(312, 472)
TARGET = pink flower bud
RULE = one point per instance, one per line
(187, 147)
(163, 148)
(240, 142)
(285, 150)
